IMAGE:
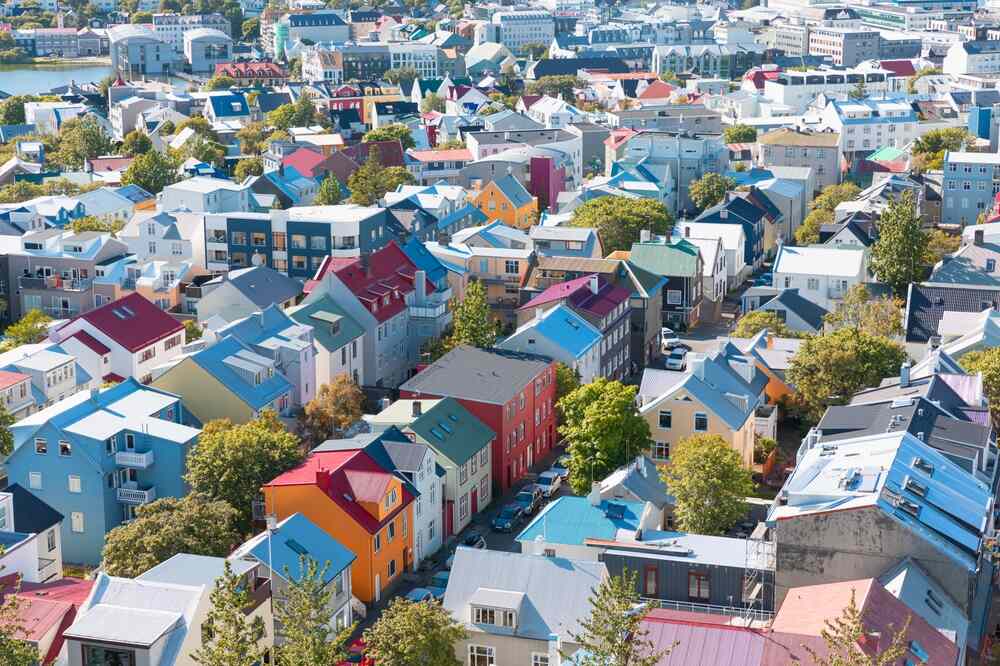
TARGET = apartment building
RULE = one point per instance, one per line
(170, 28)
(845, 46)
(819, 151)
(867, 124)
(971, 183)
(514, 29)
(797, 88)
(425, 58)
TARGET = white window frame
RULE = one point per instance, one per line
(77, 522)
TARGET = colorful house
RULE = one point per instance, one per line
(506, 200)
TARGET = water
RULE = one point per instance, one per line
(36, 79)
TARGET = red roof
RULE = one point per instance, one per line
(89, 341)
(8, 379)
(58, 606)
(657, 90)
(132, 321)
(250, 70)
(619, 136)
(304, 161)
(110, 163)
(580, 296)
(529, 100)
(899, 67)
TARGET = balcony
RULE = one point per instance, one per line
(60, 313)
(132, 494)
(260, 592)
(345, 252)
(134, 460)
(428, 312)
(54, 282)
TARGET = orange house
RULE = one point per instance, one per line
(357, 502)
(505, 199)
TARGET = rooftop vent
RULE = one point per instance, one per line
(915, 487)
(923, 466)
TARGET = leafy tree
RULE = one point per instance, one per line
(12, 109)
(987, 361)
(370, 182)
(875, 316)
(219, 82)
(248, 166)
(472, 322)
(618, 220)
(136, 143)
(151, 171)
(898, 254)
(167, 526)
(939, 244)
(336, 407)
(612, 633)
(671, 77)
(31, 327)
(928, 150)
(204, 150)
(859, 91)
(413, 633)
(603, 429)
(229, 638)
(14, 650)
(250, 29)
(754, 322)
(167, 128)
(740, 134)
(808, 232)
(708, 478)
(81, 139)
(762, 448)
(400, 75)
(828, 369)
(6, 436)
(834, 195)
(911, 82)
(710, 190)
(141, 17)
(555, 86)
(91, 223)
(844, 636)
(329, 193)
(201, 126)
(231, 462)
(303, 614)
(567, 380)
(432, 102)
(451, 144)
(390, 133)
(251, 138)
(192, 331)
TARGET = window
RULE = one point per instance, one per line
(298, 242)
(463, 507)
(391, 532)
(673, 297)
(539, 659)
(35, 480)
(147, 353)
(95, 655)
(482, 655)
(665, 419)
(484, 455)
(76, 521)
(390, 499)
(700, 422)
(129, 441)
(483, 488)
(378, 541)
(41, 446)
(812, 283)
(172, 342)
(258, 239)
(50, 539)
(317, 242)
(238, 238)
(392, 568)
(73, 483)
(991, 265)
(650, 582)
(661, 451)
(698, 586)
(511, 267)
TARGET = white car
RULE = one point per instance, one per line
(677, 359)
(549, 482)
(668, 339)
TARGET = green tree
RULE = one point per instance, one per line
(81, 139)
(754, 322)
(31, 327)
(898, 254)
(567, 380)
(911, 82)
(603, 429)
(535, 50)
(167, 128)
(329, 193)
(808, 232)
(828, 369)
(91, 223)
(192, 331)
(219, 82)
(251, 29)
(248, 166)
(612, 633)
(336, 407)
(859, 91)
(14, 650)
(369, 183)
(229, 638)
(929, 149)
(201, 126)
(168, 526)
(151, 171)
(303, 613)
(472, 322)
(740, 134)
(618, 220)
(232, 462)
(136, 143)
(710, 190)
(251, 138)
(709, 481)
(879, 316)
(412, 634)
(432, 102)
(845, 635)
(556, 86)
(390, 133)
(12, 109)
(400, 75)
(204, 150)
(6, 436)
(987, 362)
(671, 77)
(939, 244)
(834, 195)
(141, 17)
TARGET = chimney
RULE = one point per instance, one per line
(539, 313)
(723, 214)
(977, 237)
(417, 408)
(644, 236)
(420, 284)
(595, 494)
(94, 392)
(904, 374)
(594, 286)
(696, 365)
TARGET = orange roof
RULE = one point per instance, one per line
(619, 136)
(451, 154)
(801, 614)
(8, 379)
(657, 90)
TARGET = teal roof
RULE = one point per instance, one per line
(452, 431)
(321, 315)
(572, 520)
(663, 257)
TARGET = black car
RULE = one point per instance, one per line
(473, 539)
(530, 498)
(508, 518)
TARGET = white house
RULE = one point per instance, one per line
(867, 124)
(821, 273)
(733, 239)
(561, 334)
(30, 537)
(975, 57)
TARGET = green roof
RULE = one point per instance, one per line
(678, 259)
(452, 430)
(332, 326)
(887, 154)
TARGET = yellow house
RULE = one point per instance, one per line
(507, 200)
(718, 394)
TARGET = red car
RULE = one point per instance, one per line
(356, 654)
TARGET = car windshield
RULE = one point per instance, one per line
(525, 497)
(508, 513)
(545, 481)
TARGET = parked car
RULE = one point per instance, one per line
(676, 359)
(438, 592)
(549, 482)
(668, 338)
(473, 539)
(440, 579)
(419, 594)
(561, 466)
(530, 498)
(764, 280)
(508, 518)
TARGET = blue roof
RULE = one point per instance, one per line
(427, 262)
(213, 359)
(564, 328)
(477, 216)
(572, 520)
(229, 105)
(297, 536)
(514, 191)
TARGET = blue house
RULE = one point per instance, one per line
(740, 211)
(97, 455)
(418, 253)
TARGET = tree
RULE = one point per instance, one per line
(808, 231)
(567, 380)
(329, 193)
(14, 650)
(911, 82)
(81, 139)
(754, 322)
(603, 429)
(618, 220)
(898, 254)
(31, 327)
(167, 128)
(710, 190)
(231, 462)
(6, 436)
(336, 407)
(472, 322)
(834, 195)
(987, 361)
(151, 171)
(167, 526)
(229, 638)
(556, 86)
(929, 149)
(939, 244)
(12, 109)
(845, 635)
(248, 166)
(369, 183)
(204, 150)
(141, 17)
(136, 143)
(612, 633)
(303, 614)
(391, 133)
(708, 479)
(192, 331)
(251, 138)
(432, 102)
(219, 82)
(740, 134)
(414, 633)
(859, 91)
(201, 126)
(91, 223)
(828, 369)
(401, 76)
(875, 316)
(250, 29)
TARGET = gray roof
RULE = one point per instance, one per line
(482, 375)
(405, 456)
(556, 591)
(263, 285)
(186, 569)
(641, 478)
(805, 309)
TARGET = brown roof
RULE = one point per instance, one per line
(791, 137)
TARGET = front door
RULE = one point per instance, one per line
(475, 501)
(378, 588)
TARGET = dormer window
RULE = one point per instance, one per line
(390, 499)
(496, 617)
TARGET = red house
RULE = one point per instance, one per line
(512, 393)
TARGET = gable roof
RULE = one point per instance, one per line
(926, 304)
(132, 321)
(665, 257)
(221, 360)
(296, 536)
(805, 309)
(514, 191)
(580, 296)
(332, 326)
(836, 260)
(563, 327)
(452, 430)
(482, 375)
(262, 285)
(31, 514)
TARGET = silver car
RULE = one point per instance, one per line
(677, 359)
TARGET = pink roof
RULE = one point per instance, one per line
(251, 69)
(8, 379)
(39, 615)
(450, 155)
(657, 90)
(73, 590)
(619, 136)
(87, 340)
(304, 161)
(110, 163)
(700, 643)
(132, 321)
(580, 297)
(58, 606)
